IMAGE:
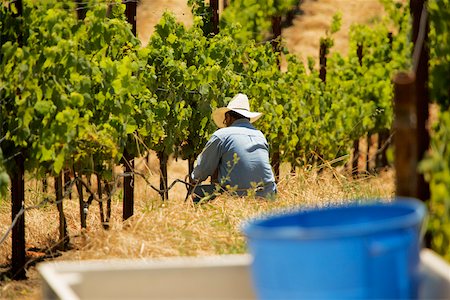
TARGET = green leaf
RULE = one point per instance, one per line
(59, 163)
(130, 128)
(279, 109)
(171, 38)
(44, 107)
(77, 99)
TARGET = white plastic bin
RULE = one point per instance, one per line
(214, 277)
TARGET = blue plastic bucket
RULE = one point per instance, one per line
(358, 251)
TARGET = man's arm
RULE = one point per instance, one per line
(208, 161)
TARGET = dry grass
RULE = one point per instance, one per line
(175, 227)
(304, 36)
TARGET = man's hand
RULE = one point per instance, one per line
(191, 180)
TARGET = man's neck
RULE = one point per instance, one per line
(240, 121)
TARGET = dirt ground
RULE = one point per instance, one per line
(149, 13)
(301, 38)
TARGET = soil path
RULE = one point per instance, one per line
(301, 38)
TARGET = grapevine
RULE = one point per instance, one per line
(81, 95)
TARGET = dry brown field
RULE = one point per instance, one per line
(176, 227)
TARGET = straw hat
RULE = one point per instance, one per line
(239, 104)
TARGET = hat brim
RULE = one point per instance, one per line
(218, 115)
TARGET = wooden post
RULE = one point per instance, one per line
(355, 169)
(383, 142)
(421, 87)
(405, 139)
(225, 4)
(276, 31)
(63, 236)
(128, 160)
(100, 203)
(108, 204)
(81, 201)
(18, 231)
(356, 152)
(276, 164)
(128, 186)
(391, 40)
(67, 180)
(276, 34)
(383, 136)
(81, 9)
(359, 52)
(323, 61)
(276, 39)
(163, 183)
(19, 7)
(214, 5)
(292, 12)
(369, 146)
(18, 257)
(130, 12)
(44, 186)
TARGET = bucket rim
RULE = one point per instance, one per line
(255, 228)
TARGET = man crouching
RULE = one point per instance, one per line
(236, 156)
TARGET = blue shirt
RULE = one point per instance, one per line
(240, 152)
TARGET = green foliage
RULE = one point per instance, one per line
(383, 52)
(71, 93)
(77, 99)
(327, 42)
(4, 178)
(436, 165)
(253, 17)
(201, 10)
(80, 93)
(439, 12)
